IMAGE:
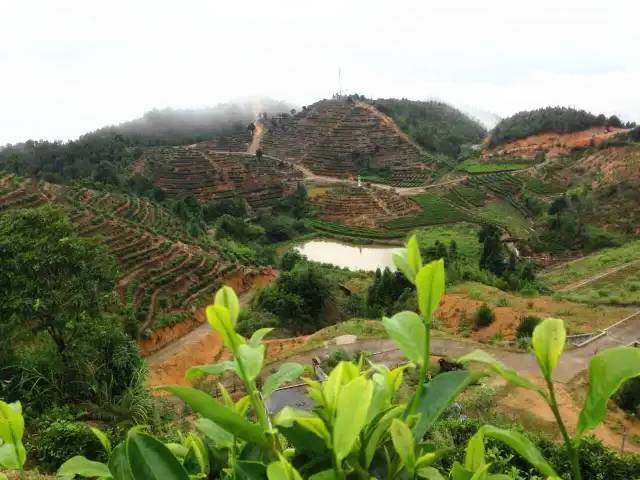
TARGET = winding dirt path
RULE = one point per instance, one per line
(606, 273)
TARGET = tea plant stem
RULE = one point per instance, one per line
(571, 451)
(424, 370)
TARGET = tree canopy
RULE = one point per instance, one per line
(548, 120)
(436, 126)
(50, 279)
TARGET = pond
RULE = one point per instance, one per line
(342, 255)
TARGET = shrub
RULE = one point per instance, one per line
(484, 316)
(526, 325)
(57, 437)
(628, 397)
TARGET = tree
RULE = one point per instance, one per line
(50, 279)
(493, 255)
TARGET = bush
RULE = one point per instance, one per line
(628, 397)
(58, 437)
(526, 326)
(484, 316)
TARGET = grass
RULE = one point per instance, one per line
(465, 235)
(507, 215)
(593, 264)
(436, 211)
(619, 288)
(578, 317)
(475, 166)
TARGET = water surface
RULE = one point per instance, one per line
(353, 257)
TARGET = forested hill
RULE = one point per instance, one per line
(548, 120)
(436, 126)
(179, 126)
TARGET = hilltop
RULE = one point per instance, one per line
(548, 120)
(435, 126)
(347, 137)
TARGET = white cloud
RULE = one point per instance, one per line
(73, 66)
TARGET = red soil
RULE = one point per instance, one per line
(553, 144)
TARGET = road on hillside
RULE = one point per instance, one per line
(586, 281)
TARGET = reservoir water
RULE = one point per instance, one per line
(342, 255)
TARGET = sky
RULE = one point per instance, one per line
(71, 66)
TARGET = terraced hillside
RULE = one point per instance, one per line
(342, 137)
(363, 207)
(163, 277)
(209, 174)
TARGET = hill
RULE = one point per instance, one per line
(548, 120)
(435, 126)
(215, 175)
(164, 272)
(347, 137)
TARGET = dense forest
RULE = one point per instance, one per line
(549, 119)
(436, 126)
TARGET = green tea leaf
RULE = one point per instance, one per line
(474, 453)
(404, 444)
(351, 415)
(401, 261)
(286, 373)
(413, 254)
(218, 435)
(307, 420)
(429, 473)
(251, 359)
(119, 464)
(258, 335)
(608, 370)
(324, 475)
(151, 459)
(12, 451)
(438, 394)
(102, 438)
(227, 298)
(250, 470)
(223, 416)
(430, 287)
(212, 369)
(548, 343)
(509, 374)
(409, 333)
(521, 444)
(83, 467)
(342, 373)
(220, 320)
(282, 470)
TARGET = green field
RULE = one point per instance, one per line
(594, 264)
(436, 211)
(465, 235)
(349, 231)
(505, 214)
(619, 288)
(475, 166)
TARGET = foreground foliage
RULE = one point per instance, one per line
(357, 428)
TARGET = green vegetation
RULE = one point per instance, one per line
(465, 236)
(484, 316)
(549, 119)
(475, 165)
(467, 196)
(504, 214)
(621, 287)
(365, 422)
(337, 229)
(436, 211)
(436, 126)
(594, 264)
(526, 326)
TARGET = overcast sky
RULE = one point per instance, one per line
(71, 66)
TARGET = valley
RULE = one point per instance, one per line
(300, 214)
